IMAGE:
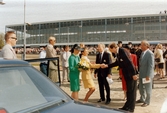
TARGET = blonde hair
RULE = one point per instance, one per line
(51, 38)
(82, 45)
(159, 46)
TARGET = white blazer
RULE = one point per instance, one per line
(8, 52)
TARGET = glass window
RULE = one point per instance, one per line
(27, 87)
(108, 21)
(116, 21)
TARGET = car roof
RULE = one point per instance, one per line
(5, 63)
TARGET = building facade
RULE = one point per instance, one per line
(95, 30)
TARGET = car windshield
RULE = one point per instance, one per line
(25, 87)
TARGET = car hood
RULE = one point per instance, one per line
(80, 107)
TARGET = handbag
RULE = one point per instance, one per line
(157, 59)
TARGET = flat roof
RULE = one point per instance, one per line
(93, 18)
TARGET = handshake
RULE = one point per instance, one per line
(103, 65)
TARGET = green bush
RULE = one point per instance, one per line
(1, 40)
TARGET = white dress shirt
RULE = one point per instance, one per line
(65, 58)
(43, 55)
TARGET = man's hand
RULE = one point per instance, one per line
(135, 77)
(109, 76)
(147, 78)
(104, 66)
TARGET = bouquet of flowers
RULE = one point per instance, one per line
(83, 64)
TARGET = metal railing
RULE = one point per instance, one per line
(48, 62)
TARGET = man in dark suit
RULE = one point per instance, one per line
(125, 63)
(138, 53)
(103, 57)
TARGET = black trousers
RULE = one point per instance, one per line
(103, 83)
(131, 94)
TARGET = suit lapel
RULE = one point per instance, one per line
(102, 58)
(143, 57)
(99, 58)
(14, 54)
(119, 54)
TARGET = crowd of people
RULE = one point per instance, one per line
(141, 65)
(58, 49)
(135, 63)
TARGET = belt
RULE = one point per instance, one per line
(43, 63)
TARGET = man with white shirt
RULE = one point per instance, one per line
(7, 51)
(43, 64)
(101, 74)
(65, 56)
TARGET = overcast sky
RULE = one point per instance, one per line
(50, 10)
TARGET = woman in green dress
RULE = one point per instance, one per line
(74, 72)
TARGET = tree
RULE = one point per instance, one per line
(1, 40)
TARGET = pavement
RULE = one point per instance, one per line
(158, 99)
(159, 95)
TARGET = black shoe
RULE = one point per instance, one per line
(107, 102)
(139, 101)
(125, 109)
(119, 78)
(100, 100)
(144, 105)
(130, 110)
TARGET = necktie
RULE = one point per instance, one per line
(100, 57)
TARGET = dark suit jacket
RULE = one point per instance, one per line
(165, 53)
(124, 61)
(106, 59)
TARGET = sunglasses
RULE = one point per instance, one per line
(13, 38)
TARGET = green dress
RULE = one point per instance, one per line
(74, 72)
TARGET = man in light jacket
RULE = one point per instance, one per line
(50, 53)
(146, 74)
(7, 51)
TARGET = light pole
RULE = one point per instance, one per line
(68, 36)
(81, 32)
(24, 38)
(144, 30)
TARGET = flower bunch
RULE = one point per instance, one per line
(84, 65)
